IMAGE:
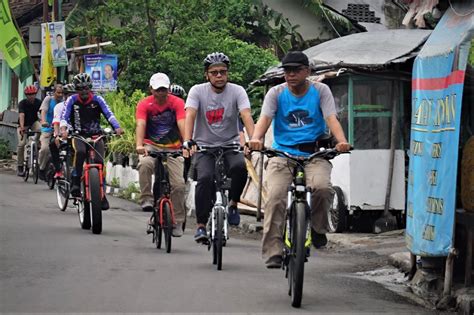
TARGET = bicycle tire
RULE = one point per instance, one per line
(158, 235)
(298, 253)
(167, 225)
(35, 166)
(219, 236)
(83, 210)
(62, 188)
(95, 200)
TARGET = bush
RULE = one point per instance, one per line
(4, 149)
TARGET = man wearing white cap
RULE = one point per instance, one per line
(160, 125)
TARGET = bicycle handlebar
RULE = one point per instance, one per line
(327, 154)
(157, 153)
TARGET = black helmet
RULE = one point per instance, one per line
(216, 58)
(177, 90)
(81, 81)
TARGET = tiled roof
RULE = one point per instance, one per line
(30, 12)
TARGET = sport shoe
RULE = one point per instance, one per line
(76, 186)
(274, 262)
(58, 175)
(147, 206)
(201, 235)
(319, 240)
(104, 204)
(42, 174)
(234, 216)
(177, 230)
(20, 171)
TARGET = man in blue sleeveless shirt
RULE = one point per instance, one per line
(301, 111)
(47, 115)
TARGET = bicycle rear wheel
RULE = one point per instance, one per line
(218, 241)
(95, 200)
(297, 253)
(50, 180)
(167, 224)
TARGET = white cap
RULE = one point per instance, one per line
(159, 80)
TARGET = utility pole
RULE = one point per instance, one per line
(45, 11)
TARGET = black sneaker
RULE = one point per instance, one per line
(274, 262)
(234, 216)
(104, 204)
(20, 171)
(319, 240)
(76, 186)
(42, 174)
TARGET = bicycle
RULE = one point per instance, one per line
(217, 225)
(31, 159)
(63, 185)
(89, 203)
(162, 218)
(297, 231)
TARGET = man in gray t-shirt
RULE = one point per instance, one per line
(212, 119)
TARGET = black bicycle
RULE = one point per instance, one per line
(217, 225)
(297, 232)
(162, 218)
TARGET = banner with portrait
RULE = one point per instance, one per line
(103, 71)
(57, 37)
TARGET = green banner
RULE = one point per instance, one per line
(11, 44)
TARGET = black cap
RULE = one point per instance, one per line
(294, 59)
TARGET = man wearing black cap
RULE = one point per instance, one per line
(301, 111)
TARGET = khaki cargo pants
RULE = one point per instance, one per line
(278, 178)
(146, 168)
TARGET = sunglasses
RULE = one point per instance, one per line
(215, 73)
(288, 70)
(82, 88)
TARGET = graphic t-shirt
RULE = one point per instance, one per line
(162, 121)
(217, 117)
(48, 105)
(298, 119)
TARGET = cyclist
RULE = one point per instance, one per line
(83, 111)
(212, 119)
(160, 126)
(301, 111)
(28, 119)
(68, 89)
(47, 115)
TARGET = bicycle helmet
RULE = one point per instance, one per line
(69, 88)
(30, 89)
(177, 90)
(81, 81)
(216, 58)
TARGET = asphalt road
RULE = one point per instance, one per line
(48, 264)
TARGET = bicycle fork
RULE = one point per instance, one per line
(289, 208)
(218, 205)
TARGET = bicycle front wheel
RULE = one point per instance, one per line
(167, 224)
(95, 200)
(218, 240)
(62, 188)
(297, 253)
(35, 166)
(158, 233)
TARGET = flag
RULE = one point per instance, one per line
(12, 45)
(47, 68)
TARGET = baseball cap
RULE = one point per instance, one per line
(294, 59)
(159, 80)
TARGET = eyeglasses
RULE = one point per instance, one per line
(215, 73)
(82, 88)
(295, 70)
(161, 90)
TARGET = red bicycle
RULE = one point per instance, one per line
(92, 185)
(162, 219)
